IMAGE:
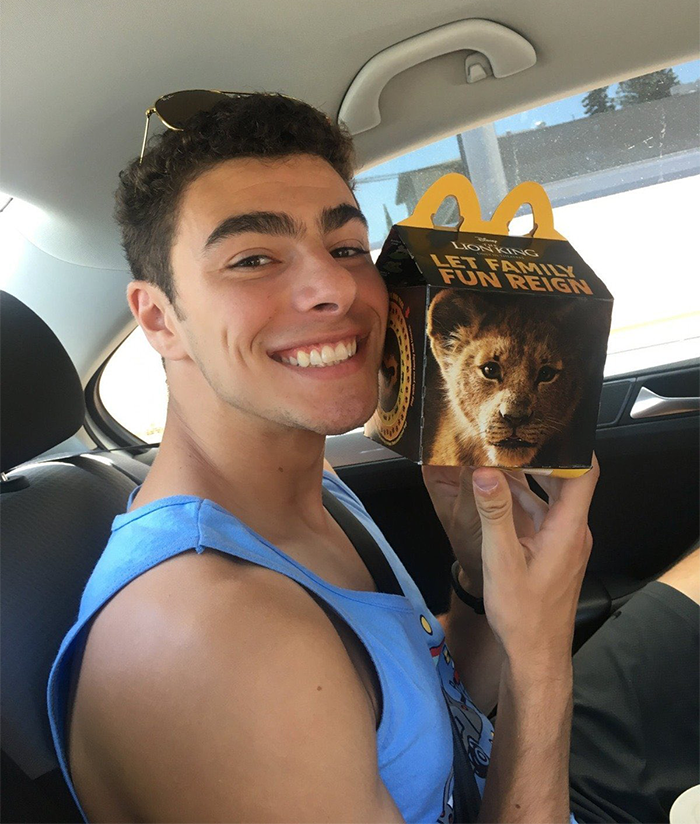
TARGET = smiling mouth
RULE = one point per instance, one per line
(514, 443)
(319, 355)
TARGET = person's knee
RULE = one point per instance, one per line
(685, 575)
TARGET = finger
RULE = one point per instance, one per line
(515, 475)
(554, 486)
(549, 485)
(533, 505)
(574, 500)
(579, 491)
(466, 482)
(435, 473)
(495, 507)
(446, 478)
(466, 505)
(465, 512)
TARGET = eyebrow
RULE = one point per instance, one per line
(281, 224)
(337, 216)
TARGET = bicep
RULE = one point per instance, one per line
(264, 718)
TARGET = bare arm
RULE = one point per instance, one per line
(477, 653)
(220, 691)
(531, 588)
(528, 559)
(528, 777)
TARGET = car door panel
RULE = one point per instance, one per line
(644, 514)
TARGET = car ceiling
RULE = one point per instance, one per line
(77, 77)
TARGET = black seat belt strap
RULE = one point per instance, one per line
(466, 799)
(372, 556)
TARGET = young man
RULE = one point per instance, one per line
(238, 661)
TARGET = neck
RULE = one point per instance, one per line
(267, 475)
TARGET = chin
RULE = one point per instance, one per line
(340, 419)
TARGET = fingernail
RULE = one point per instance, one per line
(485, 481)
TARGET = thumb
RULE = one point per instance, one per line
(495, 507)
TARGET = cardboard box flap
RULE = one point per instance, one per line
(486, 257)
(492, 262)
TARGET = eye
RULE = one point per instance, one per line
(546, 374)
(251, 262)
(491, 370)
(348, 251)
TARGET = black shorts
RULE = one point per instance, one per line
(634, 742)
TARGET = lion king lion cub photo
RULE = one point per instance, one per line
(513, 373)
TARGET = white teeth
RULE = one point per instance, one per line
(327, 356)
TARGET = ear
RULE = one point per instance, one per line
(452, 309)
(158, 319)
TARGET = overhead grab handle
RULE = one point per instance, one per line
(507, 52)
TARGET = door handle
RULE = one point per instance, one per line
(650, 405)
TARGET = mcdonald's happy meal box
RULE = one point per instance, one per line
(495, 343)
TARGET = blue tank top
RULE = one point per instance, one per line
(404, 640)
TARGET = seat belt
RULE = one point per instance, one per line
(119, 458)
(466, 799)
(373, 558)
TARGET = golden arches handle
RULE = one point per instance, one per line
(533, 194)
(450, 185)
(460, 188)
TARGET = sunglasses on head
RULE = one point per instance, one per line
(176, 108)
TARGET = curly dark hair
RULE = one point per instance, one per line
(261, 125)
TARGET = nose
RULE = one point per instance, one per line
(325, 286)
(517, 419)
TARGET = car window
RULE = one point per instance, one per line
(133, 388)
(620, 165)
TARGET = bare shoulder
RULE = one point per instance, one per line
(217, 690)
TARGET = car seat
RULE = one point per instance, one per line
(56, 515)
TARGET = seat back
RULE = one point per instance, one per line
(55, 519)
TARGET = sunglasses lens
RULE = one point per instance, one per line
(177, 108)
